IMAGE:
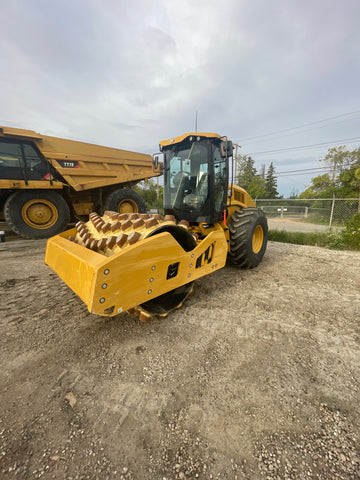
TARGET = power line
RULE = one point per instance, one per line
(303, 173)
(301, 147)
(303, 170)
(319, 172)
(301, 126)
(304, 131)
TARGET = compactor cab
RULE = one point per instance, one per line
(196, 170)
(147, 264)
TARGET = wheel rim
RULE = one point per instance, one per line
(128, 206)
(257, 239)
(39, 213)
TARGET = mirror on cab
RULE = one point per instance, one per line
(158, 158)
(226, 148)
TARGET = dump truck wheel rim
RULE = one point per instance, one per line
(39, 213)
(257, 239)
(128, 206)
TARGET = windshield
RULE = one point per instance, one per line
(188, 175)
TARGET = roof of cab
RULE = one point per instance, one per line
(19, 132)
(171, 141)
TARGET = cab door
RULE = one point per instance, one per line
(12, 165)
(36, 166)
(20, 160)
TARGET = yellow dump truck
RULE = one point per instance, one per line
(45, 181)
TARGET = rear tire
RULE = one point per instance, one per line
(36, 213)
(124, 201)
(248, 237)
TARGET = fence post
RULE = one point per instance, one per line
(332, 211)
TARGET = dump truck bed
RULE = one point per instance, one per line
(84, 165)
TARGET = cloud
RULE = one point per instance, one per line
(129, 74)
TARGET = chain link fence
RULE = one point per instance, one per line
(313, 213)
(156, 206)
(328, 212)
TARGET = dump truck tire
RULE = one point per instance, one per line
(248, 237)
(36, 213)
(124, 201)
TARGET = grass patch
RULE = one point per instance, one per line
(347, 239)
(300, 238)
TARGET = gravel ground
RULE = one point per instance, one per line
(256, 377)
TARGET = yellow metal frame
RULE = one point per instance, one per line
(31, 184)
(239, 199)
(111, 285)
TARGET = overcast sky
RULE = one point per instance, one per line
(130, 73)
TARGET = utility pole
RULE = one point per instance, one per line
(236, 154)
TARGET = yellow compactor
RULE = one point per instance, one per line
(147, 264)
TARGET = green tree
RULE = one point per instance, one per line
(271, 182)
(248, 177)
(349, 181)
(344, 178)
(152, 194)
(321, 187)
(246, 170)
(337, 158)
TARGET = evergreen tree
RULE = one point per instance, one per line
(271, 182)
(262, 171)
(246, 171)
(248, 177)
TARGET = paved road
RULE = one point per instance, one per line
(294, 226)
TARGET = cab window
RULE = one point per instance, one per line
(36, 167)
(10, 161)
(21, 161)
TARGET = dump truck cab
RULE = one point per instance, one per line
(196, 176)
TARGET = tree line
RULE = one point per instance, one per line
(343, 179)
(258, 185)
